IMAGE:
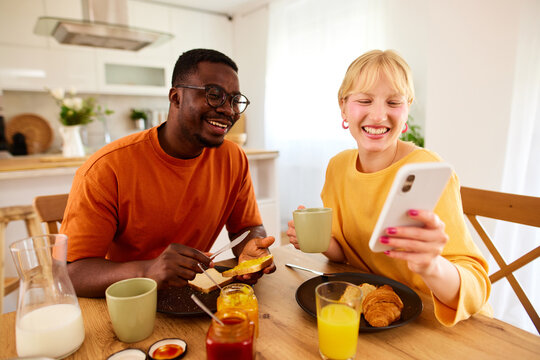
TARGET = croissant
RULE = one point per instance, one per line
(382, 306)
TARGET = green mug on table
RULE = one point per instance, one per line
(313, 228)
(132, 307)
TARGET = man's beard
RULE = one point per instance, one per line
(204, 142)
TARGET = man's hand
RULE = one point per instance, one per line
(176, 265)
(254, 249)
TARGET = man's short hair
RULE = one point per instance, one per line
(188, 61)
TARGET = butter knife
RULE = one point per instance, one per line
(208, 275)
(310, 270)
(230, 245)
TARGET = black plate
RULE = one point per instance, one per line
(412, 304)
(177, 301)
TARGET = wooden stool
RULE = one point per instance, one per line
(8, 214)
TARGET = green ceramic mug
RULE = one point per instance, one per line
(132, 308)
(313, 229)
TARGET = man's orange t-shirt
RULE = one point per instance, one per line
(130, 200)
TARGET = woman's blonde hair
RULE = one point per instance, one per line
(366, 70)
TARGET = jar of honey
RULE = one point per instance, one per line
(232, 340)
(241, 296)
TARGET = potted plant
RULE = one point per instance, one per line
(76, 111)
(413, 134)
(140, 117)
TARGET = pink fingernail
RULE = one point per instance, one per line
(413, 212)
(387, 252)
(391, 230)
(384, 240)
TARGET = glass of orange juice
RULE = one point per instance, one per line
(338, 318)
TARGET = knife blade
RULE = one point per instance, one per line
(230, 245)
(310, 270)
(208, 276)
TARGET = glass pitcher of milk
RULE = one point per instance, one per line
(49, 321)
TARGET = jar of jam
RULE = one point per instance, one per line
(233, 340)
(241, 296)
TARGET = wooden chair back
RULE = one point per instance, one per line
(7, 215)
(50, 210)
(507, 207)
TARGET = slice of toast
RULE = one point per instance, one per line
(204, 284)
(349, 294)
(250, 266)
(366, 289)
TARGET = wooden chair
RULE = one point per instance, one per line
(50, 209)
(7, 215)
(507, 207)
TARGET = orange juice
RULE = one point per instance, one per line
(338, 331)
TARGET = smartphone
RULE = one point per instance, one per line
(416, 186)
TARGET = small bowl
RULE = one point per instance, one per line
(239, 139)
(172, 348)
(135, 354)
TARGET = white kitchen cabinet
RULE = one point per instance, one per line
(66, 9)
(154, 17)
(144, 72)
(121, 74)
(33, 62)
(17, 20)
(194, 29)
(26, 68)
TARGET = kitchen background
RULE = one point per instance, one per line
(118, 124)
(476, 68)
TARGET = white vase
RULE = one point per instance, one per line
(72, 145)
(140, 124)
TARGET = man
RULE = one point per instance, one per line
(150, 204)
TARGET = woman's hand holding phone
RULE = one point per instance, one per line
(420, 246)
(407, 227)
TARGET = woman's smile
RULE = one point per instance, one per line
(375, 130)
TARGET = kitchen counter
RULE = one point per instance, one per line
(43, 165)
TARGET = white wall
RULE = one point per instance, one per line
(406, 32)
(471, 55)
(462, 54)
(250, 38)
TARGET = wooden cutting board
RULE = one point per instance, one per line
(37, 132)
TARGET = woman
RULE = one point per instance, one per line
(439, 258)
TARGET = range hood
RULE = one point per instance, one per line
(104, 25)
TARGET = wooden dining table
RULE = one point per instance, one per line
(288, 332)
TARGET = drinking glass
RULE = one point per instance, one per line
(338, 319)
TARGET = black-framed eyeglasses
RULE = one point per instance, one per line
(216, 97)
